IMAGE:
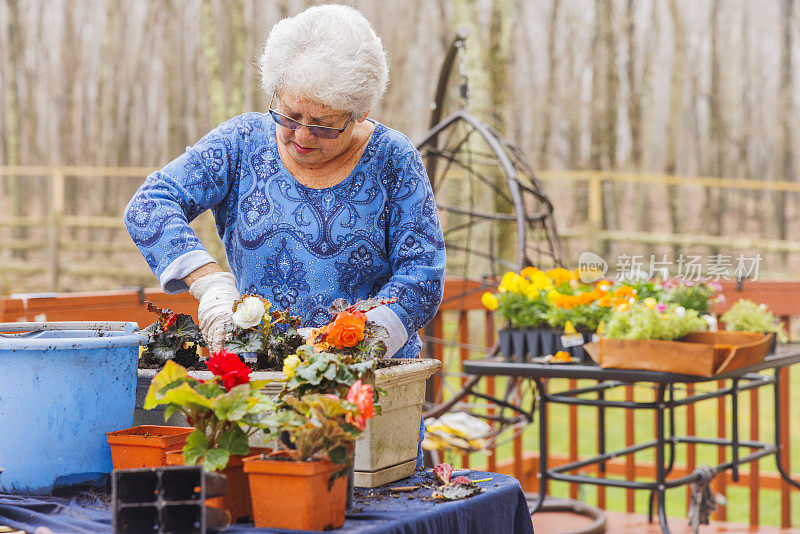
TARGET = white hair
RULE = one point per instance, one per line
(327, 53)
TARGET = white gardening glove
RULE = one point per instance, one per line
(398, 335)
(216, 293)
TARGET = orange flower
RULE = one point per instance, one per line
(605, 301)
(562, 356)
(347, 329)
(625, 291)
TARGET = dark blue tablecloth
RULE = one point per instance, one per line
(500, 509)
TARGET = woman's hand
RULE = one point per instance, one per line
(216, 293)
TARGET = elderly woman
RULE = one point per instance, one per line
(313, 201)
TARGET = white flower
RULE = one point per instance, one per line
(711, 321)
(249, 312)
(680, 311)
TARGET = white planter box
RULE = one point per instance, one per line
(387, 450)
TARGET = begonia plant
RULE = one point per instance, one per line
(174, 336)
(224, 411)
(256, 328)
(322, 425)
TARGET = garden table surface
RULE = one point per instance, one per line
(664, 404)
(500, 509)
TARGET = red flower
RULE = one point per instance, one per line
(170, 321)
(229, 368)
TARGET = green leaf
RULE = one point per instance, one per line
(185, 330)
(245, 341)
(209, 390)
(184, 395)
(169, 410)
(171, 372)
(234, 441)
(234, 404)
(215, 460)
(196, 446)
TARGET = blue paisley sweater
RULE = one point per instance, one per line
(375, 233)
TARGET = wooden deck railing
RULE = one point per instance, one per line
(463, 329)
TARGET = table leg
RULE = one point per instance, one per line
(540, 389)
(671, 432)
(661, 472)
(601, 442)
(735, 429)
(778, 446)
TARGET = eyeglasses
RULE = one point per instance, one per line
(323, 132)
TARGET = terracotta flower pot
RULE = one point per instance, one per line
(237, 499)
(294, 494)
(145, 445)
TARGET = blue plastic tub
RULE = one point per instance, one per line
(64, 385)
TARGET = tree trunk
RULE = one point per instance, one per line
(786, 103)
(675, 119)
(714, 196)
(552, 61)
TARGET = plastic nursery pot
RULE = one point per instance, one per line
(504, 337)
(547, 342)
(145, 445)
(237, 499)
(294, 494)
(533, 342)
(518, 341)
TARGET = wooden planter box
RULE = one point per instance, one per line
(699, 353)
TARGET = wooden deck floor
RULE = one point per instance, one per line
(622, 523)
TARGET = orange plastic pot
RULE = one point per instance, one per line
(294, 494)
(145, 446)
(237, 498)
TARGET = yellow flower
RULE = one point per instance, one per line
(509, 282)
(529, 272)
(489, 301)
(622, 306)
(532, 292)
(650, 302)
(290, 364)
(541, 281)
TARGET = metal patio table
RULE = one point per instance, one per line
(665, 402)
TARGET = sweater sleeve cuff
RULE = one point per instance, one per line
(171, 278)
(398, 335)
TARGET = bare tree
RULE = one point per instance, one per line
(675, 112)
(786, 106)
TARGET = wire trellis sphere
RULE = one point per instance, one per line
(495, 215)
(495, 218)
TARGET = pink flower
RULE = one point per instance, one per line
(661, 308)
(361, 395)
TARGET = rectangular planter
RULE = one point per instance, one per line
(700, 353)
(387, 450)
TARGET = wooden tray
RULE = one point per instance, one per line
(699, 353)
